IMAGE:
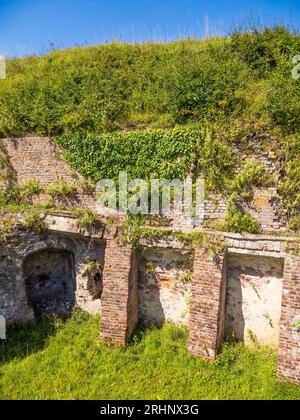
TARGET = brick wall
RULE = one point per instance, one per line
(120, 293)
(289, 347)
(208, 305)
(39, 159)
(36, 158)
(165, 282)
(119, 303)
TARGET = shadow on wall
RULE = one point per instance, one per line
(151, 311)
(253, 298)
(234, 321)
(165, 286)
(50, 282)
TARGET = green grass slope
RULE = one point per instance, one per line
(121, 86)
(65, 360)
(168, 110)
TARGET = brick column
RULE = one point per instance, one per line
(289, 345)
(120, 293)
(207, 315)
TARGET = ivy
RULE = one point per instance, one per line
(142, 154)
(289, 186)
(252, 175)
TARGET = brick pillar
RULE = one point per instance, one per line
(120, 293)
(289, 344)
(207, 315)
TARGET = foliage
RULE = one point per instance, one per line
(294, 223)
(194, 103)
(34, 222)
(217, 162)
(7, 226)
(262, 49)
(143, 154)
(186, 277)
(120, 86)
(283, 101)
(289, 187)
(61, 189)
(253, 174)
(27, 190)
(238, 221)
(4, 165)
(56, 359)
(30, 188)
(93, 265)
(88, 220)
(132, 230)
(206, 84)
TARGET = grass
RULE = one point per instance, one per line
(154, 85)
(65, 360)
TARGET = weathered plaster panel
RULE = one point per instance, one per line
(165, 282)
(253, 298)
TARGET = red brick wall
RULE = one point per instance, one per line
(208, 305)
(289, 347)
(120, 293)
(38, 158)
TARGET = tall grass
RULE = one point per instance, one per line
(153, 85)
(65, 360)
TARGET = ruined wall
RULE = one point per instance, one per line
(289, 348)
(165, 286)
(253, 298)
(36, 158)
(39, 159)
(238, 290)
(50, 282)
(23, 255)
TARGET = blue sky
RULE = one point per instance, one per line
(31, 26)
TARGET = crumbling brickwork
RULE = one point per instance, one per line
(20, 247)
(208, 305)
(120, 293)
(289, 347)
(165, 282)
(39, 159)
(36, 158)
(253, 263)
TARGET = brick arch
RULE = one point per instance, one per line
(55, 243)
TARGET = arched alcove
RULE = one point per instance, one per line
(50, 282)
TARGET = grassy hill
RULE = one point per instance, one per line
(167, 110)
(121, 86)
